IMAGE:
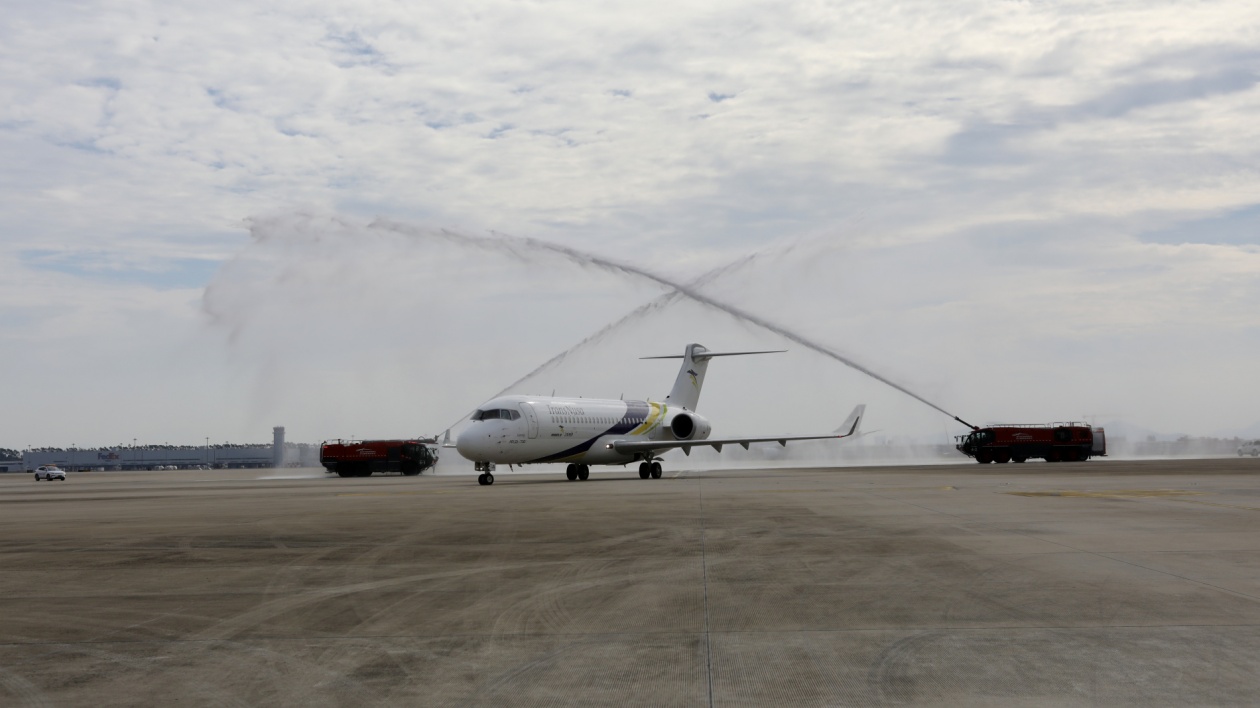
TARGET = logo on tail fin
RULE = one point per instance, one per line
(693, 374)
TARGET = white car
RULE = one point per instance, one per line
(50, 472)
(1250, 448)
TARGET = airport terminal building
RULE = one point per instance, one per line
(152, 457)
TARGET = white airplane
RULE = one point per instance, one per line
(524, 430)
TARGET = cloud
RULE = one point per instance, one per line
(1094, 165)
(1237, 227)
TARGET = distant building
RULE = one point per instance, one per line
(147, 457)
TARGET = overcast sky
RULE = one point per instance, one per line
(219, 217)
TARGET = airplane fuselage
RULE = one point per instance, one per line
(521, 430)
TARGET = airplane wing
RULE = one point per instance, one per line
(852, 425)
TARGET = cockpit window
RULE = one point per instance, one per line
(496, 414)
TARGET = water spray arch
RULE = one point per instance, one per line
(523, 246)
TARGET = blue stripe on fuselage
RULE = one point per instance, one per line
(636, 413)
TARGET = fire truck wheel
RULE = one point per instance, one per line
(571, 472)
(583, 472)
(1018, 458)
(1002, 457)
(984, 457)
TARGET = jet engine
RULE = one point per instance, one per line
(689, 426)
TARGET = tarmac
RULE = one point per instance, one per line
(1108, 582)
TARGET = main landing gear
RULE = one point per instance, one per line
(649, 469)
(581, 472)
(486, 469)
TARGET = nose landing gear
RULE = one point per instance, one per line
(486, 469)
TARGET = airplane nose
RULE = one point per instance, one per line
(469, 441)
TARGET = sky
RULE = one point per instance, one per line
(220, 217)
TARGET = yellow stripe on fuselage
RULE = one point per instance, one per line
(653, 419)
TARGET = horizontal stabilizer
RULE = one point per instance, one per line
(686, 390)
(709, 355)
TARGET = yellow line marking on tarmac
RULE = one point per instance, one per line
(1137, 493)
(1224, 506)
(393, 494)
(1110, 493)
(907, 489)
(860, 489)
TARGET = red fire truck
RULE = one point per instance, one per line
(1057, 442)
(360, 458)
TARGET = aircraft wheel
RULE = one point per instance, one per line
(645, 470)
(584, 471)
(571, 472)
(489, 479)
(656, 470)
(481, 479)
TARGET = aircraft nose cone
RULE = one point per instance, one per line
(468, 442)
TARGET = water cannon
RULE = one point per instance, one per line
(969, 425)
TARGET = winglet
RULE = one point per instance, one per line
(446, 439)
(853, 424)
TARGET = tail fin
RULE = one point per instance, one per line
(686, 390)
(853, 424)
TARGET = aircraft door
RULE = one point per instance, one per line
(530, 419)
